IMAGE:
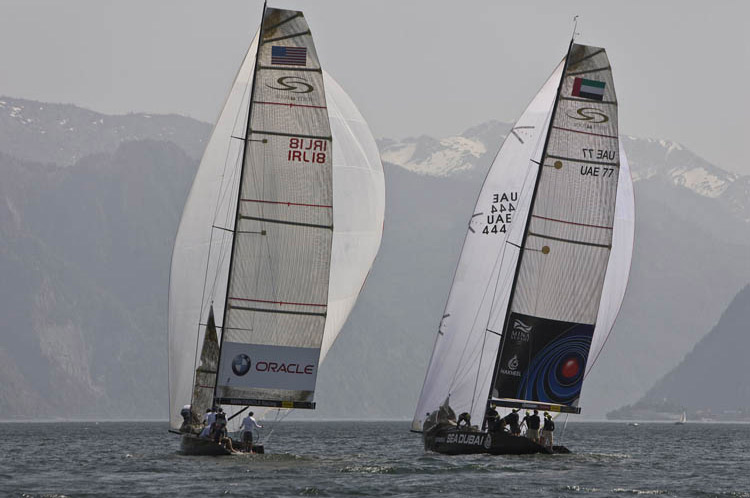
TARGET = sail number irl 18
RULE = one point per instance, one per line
(307, 150)
(501, 212)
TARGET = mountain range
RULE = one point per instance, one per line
(89, 206)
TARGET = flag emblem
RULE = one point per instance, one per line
(588, 89)
(289, 56)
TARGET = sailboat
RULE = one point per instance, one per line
(280, 229)
(543, 269)
(683, 419)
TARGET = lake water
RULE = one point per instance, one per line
(371, 459)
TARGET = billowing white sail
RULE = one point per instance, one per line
(200, 258)
(358, 207)
(466, 345)
(618, 269)
(358, 210)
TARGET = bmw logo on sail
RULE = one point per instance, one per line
(241, 364)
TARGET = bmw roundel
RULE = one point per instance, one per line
(241, 364)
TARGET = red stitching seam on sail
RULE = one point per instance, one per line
(570, 222)
(287, 203)
(584, 132)
(293, 105)
(282, 303)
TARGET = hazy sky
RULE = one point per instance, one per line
(413, 67)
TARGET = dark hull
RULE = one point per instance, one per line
(191, 444)
(465, 442)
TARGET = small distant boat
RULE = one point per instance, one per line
(279, 231)
(543, 269)
(683, 419)
(634, 424)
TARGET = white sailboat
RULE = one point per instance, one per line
(683, 419)
(280, 229)
(543, 269)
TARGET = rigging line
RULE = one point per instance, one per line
(286, 203)
(283, 68)
(283, 134)
(569, 241)
(592, 54)
(584, 132)
(589, 161)
(589, 101)
(281, 312)
(286, 37)
(284, 222)
(281, 23)
(290, 105)
(570, 222)
(281, 303)
(586, 71)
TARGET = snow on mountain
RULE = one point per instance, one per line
(474, 150)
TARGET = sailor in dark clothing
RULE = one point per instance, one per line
(547, 430)
(464, 419)
(511, 420)
(493, 419)
(532, 426)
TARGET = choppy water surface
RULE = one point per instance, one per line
(377, 459)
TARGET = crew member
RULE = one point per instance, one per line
(512, 420)
(493, 418)
(547, 430)
(247, 426)
(532, 426)
(465, 419)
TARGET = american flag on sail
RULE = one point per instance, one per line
(289, 56)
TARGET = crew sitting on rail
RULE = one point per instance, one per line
(219, 433)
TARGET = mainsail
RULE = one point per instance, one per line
(310, 208)
(523, 306)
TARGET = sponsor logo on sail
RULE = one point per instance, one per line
(590, 114)
(241, 364)
(520, 331)
(512, 367)
(293, 84)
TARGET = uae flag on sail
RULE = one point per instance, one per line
(588, 89)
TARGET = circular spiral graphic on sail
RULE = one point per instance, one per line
(555, 374)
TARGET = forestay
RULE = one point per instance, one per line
(277, 296)
(567, 244)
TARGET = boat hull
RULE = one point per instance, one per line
(466, 442)
(191, 444)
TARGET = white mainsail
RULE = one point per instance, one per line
(571, 216)
(358, 193)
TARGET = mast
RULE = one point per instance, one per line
(528, 219)
(239, 189)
